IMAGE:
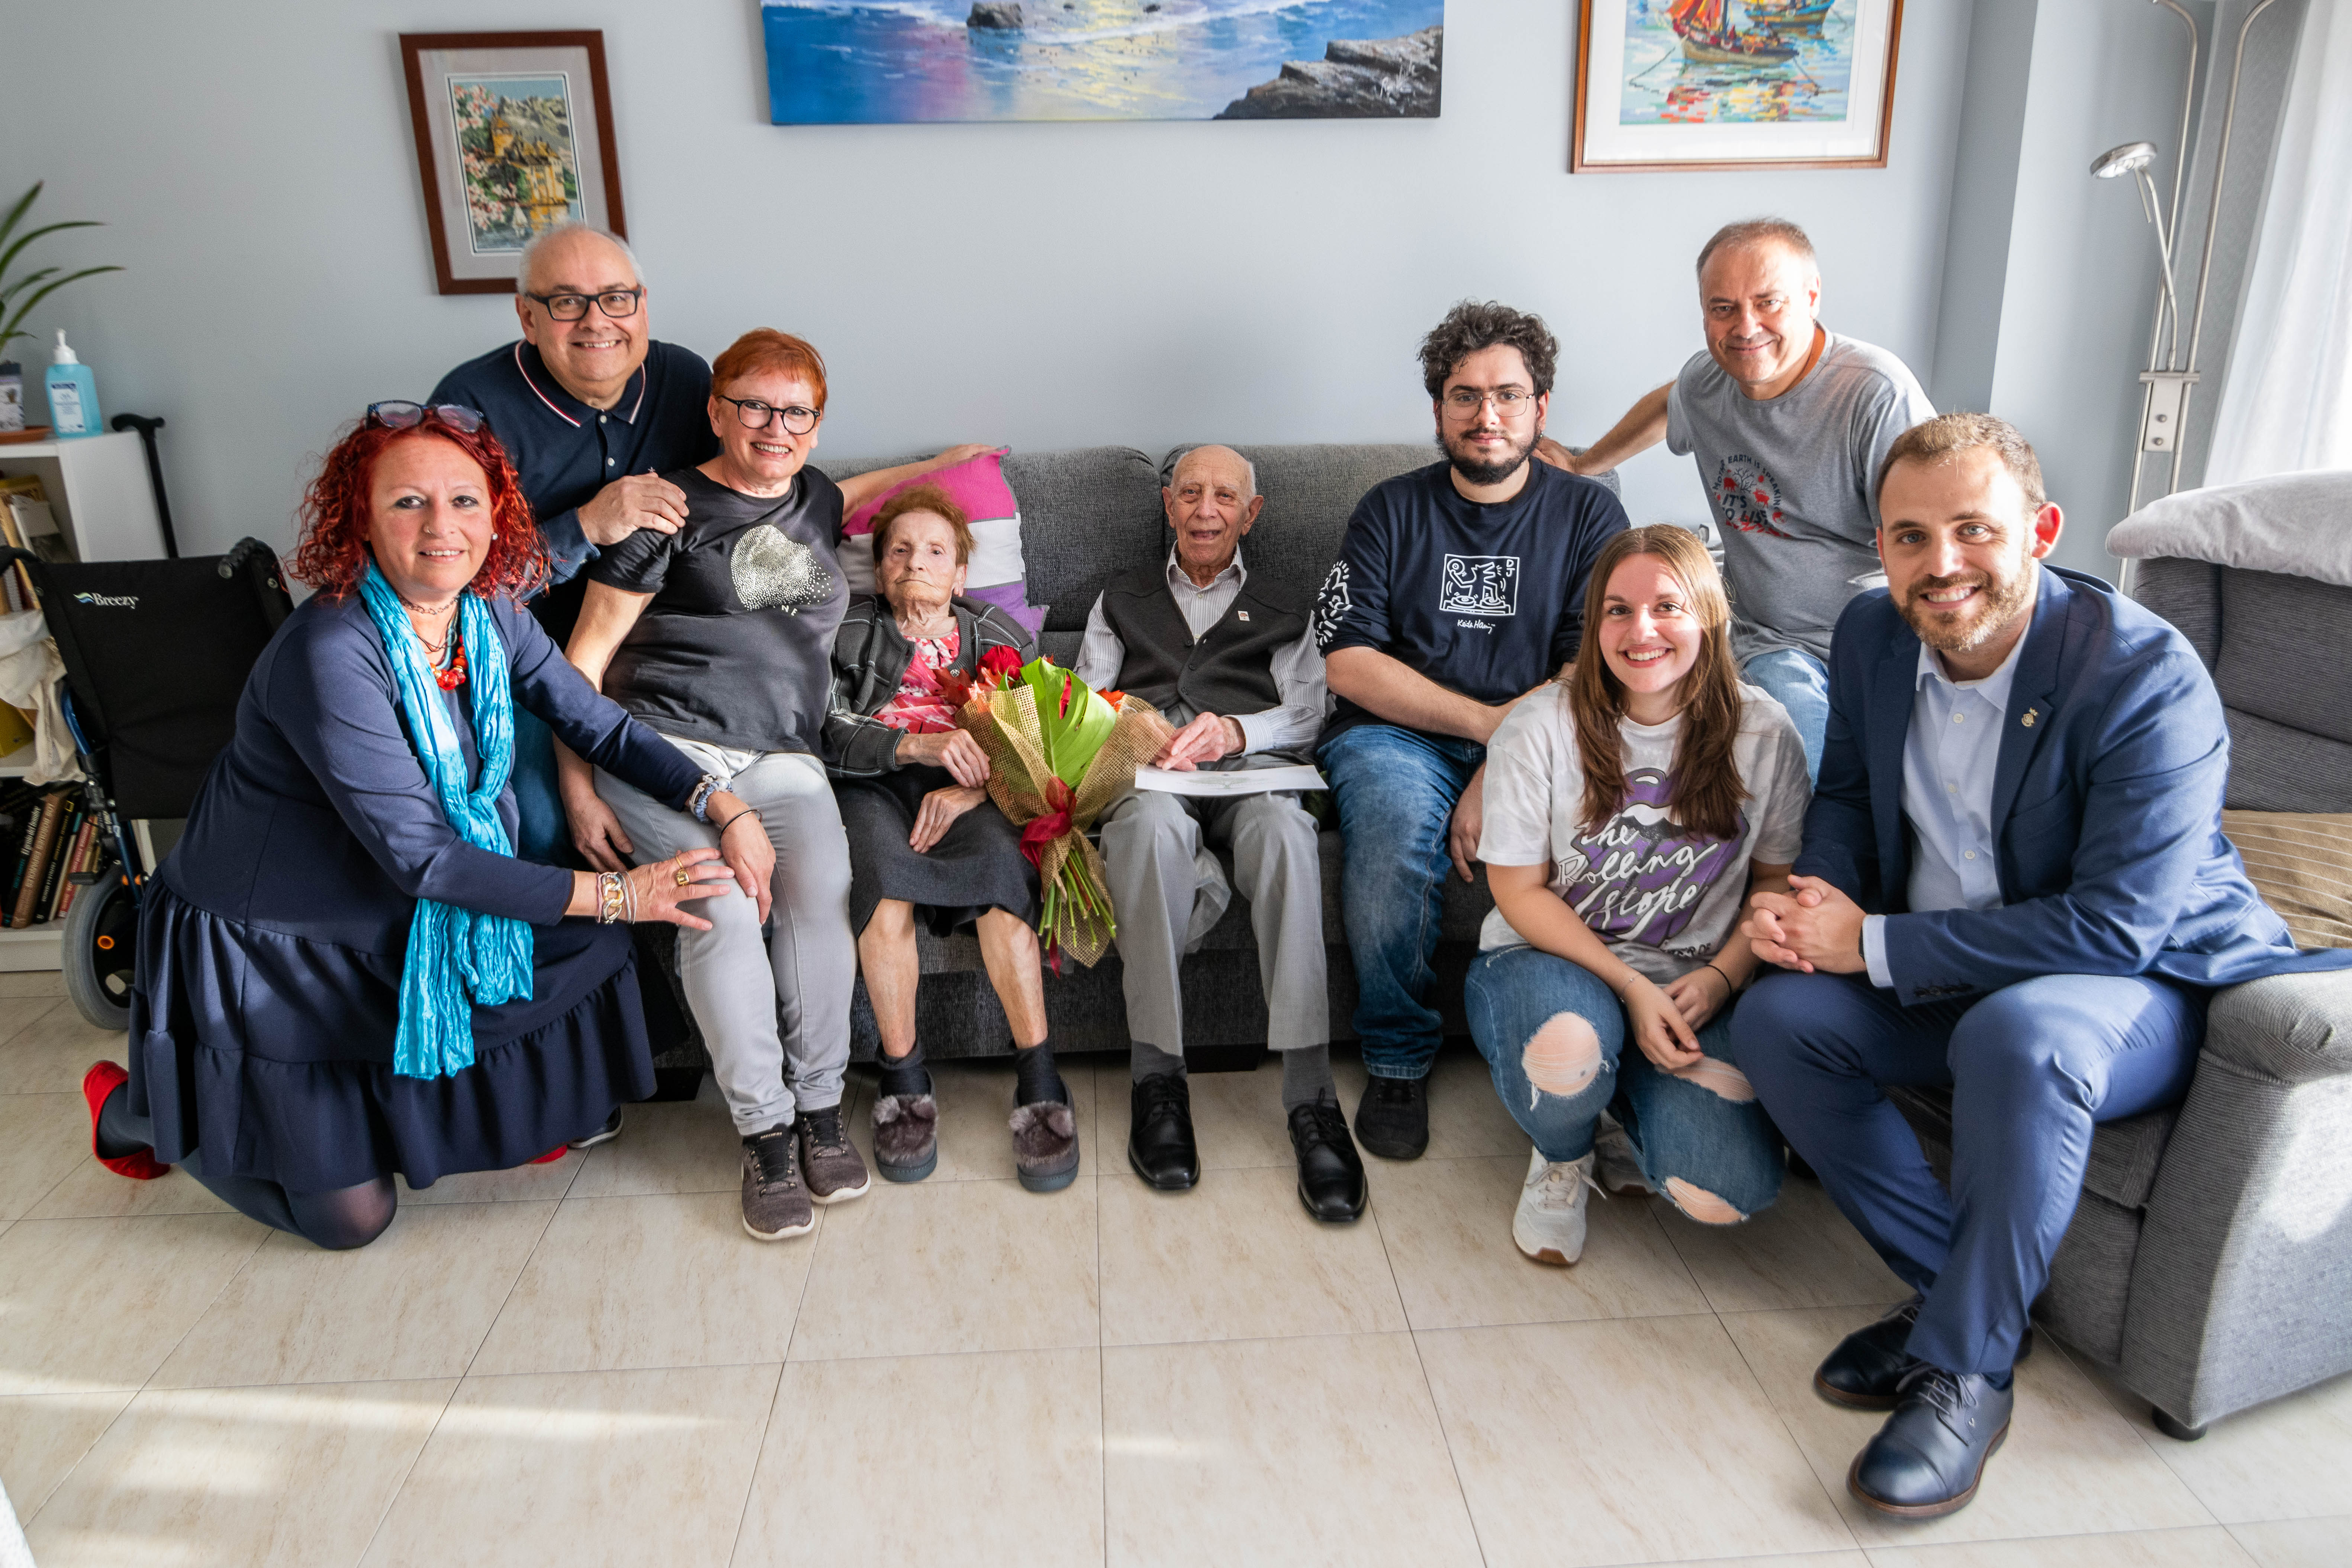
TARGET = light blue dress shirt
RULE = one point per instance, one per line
(1949, 758)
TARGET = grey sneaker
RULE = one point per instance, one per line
(906, 1136)
(775, 1203)
(1620, 1169)
(835, 1173)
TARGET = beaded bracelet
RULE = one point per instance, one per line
(699, 803)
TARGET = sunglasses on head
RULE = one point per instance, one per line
(404, 415)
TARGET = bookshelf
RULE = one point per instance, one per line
(34, 947)
(97, 489)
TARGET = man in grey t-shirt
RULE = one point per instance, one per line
(1788, 422)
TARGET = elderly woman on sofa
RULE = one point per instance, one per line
(925, 841)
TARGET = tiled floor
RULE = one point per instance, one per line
(589, 1362)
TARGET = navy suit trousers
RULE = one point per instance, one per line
(2032, 1068)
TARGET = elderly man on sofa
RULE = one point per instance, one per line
(1234, 665)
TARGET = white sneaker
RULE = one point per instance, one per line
(1549, 1224)
(1619, 1168)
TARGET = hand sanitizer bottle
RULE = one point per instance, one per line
(73, 394)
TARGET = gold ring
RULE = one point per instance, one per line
(684, 876)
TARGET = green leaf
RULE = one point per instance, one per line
(24, 204)
(23, 240)
(1072, 739)
(24, 309)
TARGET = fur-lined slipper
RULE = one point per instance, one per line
(906, 1136)
(103, 1079)
(1045, 1146)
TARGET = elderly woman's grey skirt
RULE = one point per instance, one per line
(977, 866)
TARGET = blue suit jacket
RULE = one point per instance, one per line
(2106, 802)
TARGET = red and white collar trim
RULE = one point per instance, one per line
(541, 393)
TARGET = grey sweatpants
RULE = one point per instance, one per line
(1167, 890)
(761, 1011)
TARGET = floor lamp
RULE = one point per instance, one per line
(2166, 383)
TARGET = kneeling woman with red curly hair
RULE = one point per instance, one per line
(344, 973)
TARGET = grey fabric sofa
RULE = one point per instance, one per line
(1088, 515)
(2208, 1266)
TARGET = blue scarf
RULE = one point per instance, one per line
(452, 952)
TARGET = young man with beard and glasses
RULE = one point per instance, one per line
(2014, 885)
(1788, 422)
(1459, 589)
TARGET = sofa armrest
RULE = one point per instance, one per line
(2295, 1028)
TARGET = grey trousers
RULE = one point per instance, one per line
(1167, 890)
(786, 1010)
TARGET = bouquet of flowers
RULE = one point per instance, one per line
(1058, 753)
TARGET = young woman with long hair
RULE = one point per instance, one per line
(1630, 810)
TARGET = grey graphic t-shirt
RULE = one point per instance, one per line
(736, 647)
(1791, 480)
(1664, 900)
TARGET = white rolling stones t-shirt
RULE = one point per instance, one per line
(1664, 902)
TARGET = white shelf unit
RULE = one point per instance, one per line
(34, 947)
(98, 490)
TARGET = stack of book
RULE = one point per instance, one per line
(55, 838)
(27, 524)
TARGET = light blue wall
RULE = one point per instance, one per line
(1043, 284)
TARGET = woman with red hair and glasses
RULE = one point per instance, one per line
(344, 973)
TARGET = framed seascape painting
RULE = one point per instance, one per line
(862, 62)
(1734, 84)
(514, 135)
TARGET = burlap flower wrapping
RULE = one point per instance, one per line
(1054, 817)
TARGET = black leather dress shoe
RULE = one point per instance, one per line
(1392, 1119)
(1928, 1459)
(1867, 1369)
(1160, 1133)
(1330, 1173)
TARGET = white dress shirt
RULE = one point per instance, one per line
(1290, 726)
(1949, 758)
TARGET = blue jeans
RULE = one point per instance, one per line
(1800, 683)
(1555, 1037)
(1396, 789)
(2032, 1068)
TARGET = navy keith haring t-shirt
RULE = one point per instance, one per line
(1487, 601)
(1664, 902)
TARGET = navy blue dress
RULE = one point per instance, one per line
(271, 942)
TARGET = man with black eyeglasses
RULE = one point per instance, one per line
(1459, 589)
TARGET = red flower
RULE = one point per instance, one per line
(1001, 665)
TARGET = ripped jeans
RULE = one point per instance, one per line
(1555, 1037)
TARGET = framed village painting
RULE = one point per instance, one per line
(1734, 84)
(514, 135)
(866, 62)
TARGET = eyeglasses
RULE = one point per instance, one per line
(758, 416)
(614, 302)
(1463, 402)
(403, 416)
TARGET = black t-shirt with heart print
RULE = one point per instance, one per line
(736, 647)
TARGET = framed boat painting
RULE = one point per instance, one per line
(1734, 84)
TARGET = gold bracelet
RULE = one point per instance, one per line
(609, 896)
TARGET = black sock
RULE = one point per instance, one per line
(905, 1075)
(1145, 1060)
(1033, 1068)
(118, 1132)
(2001, 1380)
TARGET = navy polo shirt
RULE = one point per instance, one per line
(564, 451)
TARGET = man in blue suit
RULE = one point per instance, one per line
(2013, 885)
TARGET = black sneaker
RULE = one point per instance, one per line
(1392, 1119)
(1330, 1175)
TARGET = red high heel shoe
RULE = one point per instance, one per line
(103, 1079)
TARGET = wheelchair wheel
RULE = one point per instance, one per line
(101, 930)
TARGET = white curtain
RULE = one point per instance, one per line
(2287, 403)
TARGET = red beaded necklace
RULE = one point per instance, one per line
(454, 677)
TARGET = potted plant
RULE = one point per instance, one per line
(16, 303)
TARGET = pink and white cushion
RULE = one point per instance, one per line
(997, 571)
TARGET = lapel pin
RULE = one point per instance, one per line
(1241, 614)
(2030, 714)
